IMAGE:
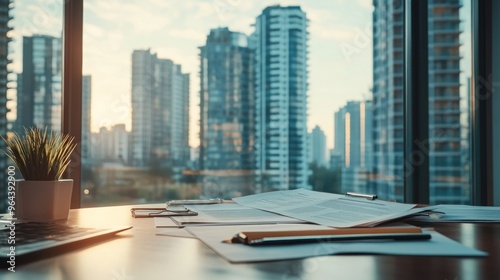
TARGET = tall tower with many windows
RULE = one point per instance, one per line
(227, 134)
(227, 108)
(39, 85)
(318, 149)
(447, 184)
(280, 41)
(160, 112)
(353, 144)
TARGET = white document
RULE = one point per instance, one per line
(175, 232)
(463, 213)
(230, 214)
(328, 209)
(438, 245)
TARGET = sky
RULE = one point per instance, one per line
(340, 47)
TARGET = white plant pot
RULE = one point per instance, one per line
(43, 200)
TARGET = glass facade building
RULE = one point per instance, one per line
(318, 149)
(353, 135)
(39, 85)
(227, 108)
(445, 136)
(160, 112)
(280, 41)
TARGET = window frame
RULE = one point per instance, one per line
(416, 102)
(495, 188)
(416, 126)
(72, 89)
(481, 103)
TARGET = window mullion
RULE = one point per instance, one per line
(72, 88)
(416, 151)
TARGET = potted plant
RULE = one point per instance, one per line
(41, 157)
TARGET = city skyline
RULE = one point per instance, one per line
(340, 46)
(254, 100)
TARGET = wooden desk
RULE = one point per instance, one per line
(140, 254)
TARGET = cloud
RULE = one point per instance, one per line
(337, 34)
(94, 31)
(130, 16)
(320, 16)
(365, 4)
(187, 34)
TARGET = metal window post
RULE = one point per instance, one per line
(416, 115)
(481, 103)
(72, 88)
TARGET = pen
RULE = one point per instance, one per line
(194, 201)
(367, 196)
(301, 236)
(348, 237)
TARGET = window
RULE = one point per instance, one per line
(230, 98)
(30, 71)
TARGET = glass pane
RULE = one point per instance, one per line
(369, 134)
(30, 71)
(217, 99)
(449, 91)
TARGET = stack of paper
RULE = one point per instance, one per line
(296, 210)
(463, 213)
(225, 214)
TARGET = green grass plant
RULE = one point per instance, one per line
(40, 155)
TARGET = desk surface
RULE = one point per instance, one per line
(140, 254)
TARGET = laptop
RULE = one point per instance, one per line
(30, 241)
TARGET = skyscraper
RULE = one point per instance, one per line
(143, 63)
(446, 184)
(448, 181)
(353, 130)
(170, 114)
(280, 41)
(39, 85)
(5, 6)
(318, 147)
(86, 116)
(226, 102)
(160, 111)
(227, 99)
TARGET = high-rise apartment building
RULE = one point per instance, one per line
(444, 147)
(353, 134)
(280, 42)
(39, 85)
(227, 134)
(318, 150)
(160, 111)
(227, 108)
(170, 143)
(353, 128)
(143, 65)
(86, 117)
(5, 7)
